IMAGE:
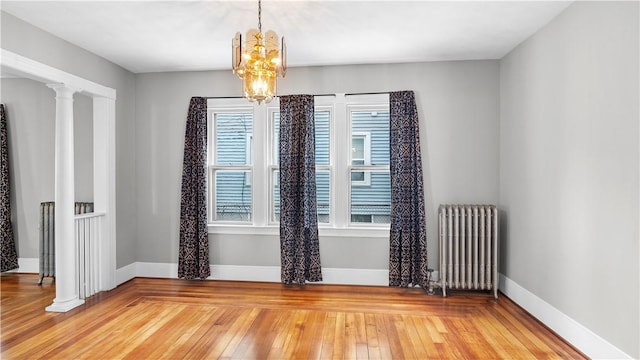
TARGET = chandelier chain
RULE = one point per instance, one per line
(260, 16)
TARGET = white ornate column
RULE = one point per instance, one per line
(65, 246)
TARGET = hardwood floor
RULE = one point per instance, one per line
(176, 319)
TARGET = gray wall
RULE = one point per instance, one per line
(569, 167)
(30, 109)
(26, 40)
(459, 113)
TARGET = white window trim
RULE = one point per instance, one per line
(262, 168)
(323, 231)
(377, 102)
(212, 166)
(272, 166)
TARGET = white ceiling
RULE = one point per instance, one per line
(151, 36)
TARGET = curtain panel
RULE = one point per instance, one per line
(8, 251)
(299, 246)
(193, 253)
(408, 240)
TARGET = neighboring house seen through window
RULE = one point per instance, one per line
(352, 162)
(370, 182)
(230, 166)
(360, 155)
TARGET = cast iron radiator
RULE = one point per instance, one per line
(468, 247)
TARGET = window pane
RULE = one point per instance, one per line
(371, 204)
(275, 210)
(357, 150)
(358, 176)
(322, 195)
(233, 195)
(276, 138)
(323, 186)
(232, 133)
(322, 137)
(375, 123)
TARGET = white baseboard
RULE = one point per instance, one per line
(572, 331)
(157, 270)
(27, 265)
(125, 273)
(245, 273)
(355, 276)
(338, 276)
(253, 273)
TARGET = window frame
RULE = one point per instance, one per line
(339, 167)
(367, 103)
(213, 166)
(274, 154)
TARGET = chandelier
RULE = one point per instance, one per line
(259, 61)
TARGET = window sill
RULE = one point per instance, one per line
(355, 231)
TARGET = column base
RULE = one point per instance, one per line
(64, 306)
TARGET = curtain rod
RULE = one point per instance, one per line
(348, 94)
(242, 97)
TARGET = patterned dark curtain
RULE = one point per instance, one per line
(193, 254)
(299, 246)
(7, 243)
(408, 242)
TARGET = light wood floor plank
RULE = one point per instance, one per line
(373, 345)
(209, 335)
(383, 337)
(422, 325)
(328, 336)
(174, 319)
(407, 350)
(339, 342)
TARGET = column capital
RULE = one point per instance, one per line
(64, 90)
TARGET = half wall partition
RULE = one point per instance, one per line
(65, 86)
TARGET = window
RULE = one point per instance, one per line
(370, 196)
(352, 163)
(230, 165)
(322, 119)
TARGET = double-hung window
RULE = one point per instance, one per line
(370, 188)
(230, 173)
(351, 156)
(322, 120)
